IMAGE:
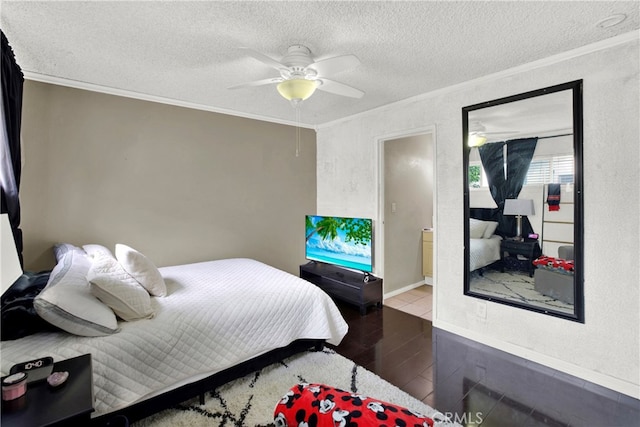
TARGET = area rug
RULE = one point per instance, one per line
(515, 286)
(250, 401)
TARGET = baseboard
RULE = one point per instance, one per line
(402, 290)
(616, 384)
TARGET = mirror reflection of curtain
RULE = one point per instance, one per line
(11, 116)
(506, 171)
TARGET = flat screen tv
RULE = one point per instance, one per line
(346, 242)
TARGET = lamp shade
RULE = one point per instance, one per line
(518, 207)
(9, 260)
(297, 89)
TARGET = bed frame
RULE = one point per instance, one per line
(145, 408)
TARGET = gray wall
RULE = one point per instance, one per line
(408, 183)
(180, 185)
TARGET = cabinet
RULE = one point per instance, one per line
(70, 404)
(427, 253)
(345, 285)
(528, 249)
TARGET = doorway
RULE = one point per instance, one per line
(407, 206)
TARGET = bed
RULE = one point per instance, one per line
(219, 320)
(484, 243)
(484, 252)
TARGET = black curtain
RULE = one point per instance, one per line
(507, 184)
(12, 82)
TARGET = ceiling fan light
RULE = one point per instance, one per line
(476, 140)
(297, 89)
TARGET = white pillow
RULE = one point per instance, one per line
(476, 228)
(491, 228)
(112, 285)
(67, 303)
(97, 250)
(61, 249)
(141, 269)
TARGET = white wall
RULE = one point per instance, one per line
(606, 348)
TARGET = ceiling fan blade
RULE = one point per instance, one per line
(257, 83)
(263, 58)
(339, 88)
(334, 65)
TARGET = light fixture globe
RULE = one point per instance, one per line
(476, 140)
(297, 89)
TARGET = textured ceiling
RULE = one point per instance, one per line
(189, 51)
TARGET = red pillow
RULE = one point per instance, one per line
(320, 405)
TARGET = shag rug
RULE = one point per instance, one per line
(251, 400)
(515, 286)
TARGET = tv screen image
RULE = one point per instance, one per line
(345, 242)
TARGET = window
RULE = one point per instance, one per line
(474, 176)
(557, 169)
(542, 170)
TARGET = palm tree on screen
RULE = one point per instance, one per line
(356, 229)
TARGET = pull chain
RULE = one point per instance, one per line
(297, 130)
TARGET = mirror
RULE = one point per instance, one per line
(523, 200)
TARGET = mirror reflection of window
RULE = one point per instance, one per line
(545, 168)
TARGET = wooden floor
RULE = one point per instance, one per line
(472, 383)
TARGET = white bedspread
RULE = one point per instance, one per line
(483, 252)
(216, 314)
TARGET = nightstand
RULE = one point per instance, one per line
(70, 404)
(529, 249)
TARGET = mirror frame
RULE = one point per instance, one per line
(576, 88)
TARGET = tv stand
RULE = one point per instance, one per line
(349, 286)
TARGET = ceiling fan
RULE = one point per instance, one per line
(300, 75)
(478, 134)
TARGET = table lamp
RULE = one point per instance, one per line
(518, 207)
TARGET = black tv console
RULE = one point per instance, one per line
(345, 285)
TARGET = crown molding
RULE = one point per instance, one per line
(29, 75)
(544, 62)
(554, 59)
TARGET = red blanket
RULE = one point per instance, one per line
(318, 405)
(554, 263)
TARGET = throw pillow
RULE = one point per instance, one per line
(61, 249)
(491, 228)
(112, 285)
(476, 228)
(66, 301)
(141, 269)
(94, 251)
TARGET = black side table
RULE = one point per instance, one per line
(530, 250)
(70, 404)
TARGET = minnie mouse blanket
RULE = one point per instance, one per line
(319, 405)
